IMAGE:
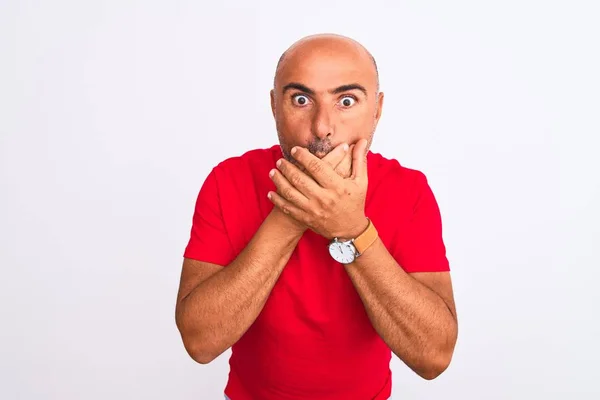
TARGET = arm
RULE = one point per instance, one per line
(216, 305)
(413, 313)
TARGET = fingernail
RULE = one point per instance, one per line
(278, 163)
(269, 195)
(293, 150)
(272, 173)
(345, 146)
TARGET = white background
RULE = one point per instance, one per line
(112, 113)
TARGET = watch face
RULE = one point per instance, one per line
(341, 252)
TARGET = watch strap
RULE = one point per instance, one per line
(363, 241)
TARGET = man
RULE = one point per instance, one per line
(312, 259)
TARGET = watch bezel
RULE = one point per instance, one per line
(348, 243)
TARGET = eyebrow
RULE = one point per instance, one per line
(339, 89)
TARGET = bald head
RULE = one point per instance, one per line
(326, 92)
(327, 45)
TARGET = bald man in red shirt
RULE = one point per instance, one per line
(316, 258)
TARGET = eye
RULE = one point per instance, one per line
(347, 101)
(300, 99)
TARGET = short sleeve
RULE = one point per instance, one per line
(422, 247)
(209, 241)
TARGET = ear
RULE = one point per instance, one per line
(378, 107)
(273, 101)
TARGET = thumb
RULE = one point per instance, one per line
(359, 159)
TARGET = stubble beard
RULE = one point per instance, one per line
(319, 148)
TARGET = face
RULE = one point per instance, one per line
(324, 98)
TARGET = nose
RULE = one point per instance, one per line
(322, 125)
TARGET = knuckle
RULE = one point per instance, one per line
(322, 215)
(350, 190)
(287, 193)
(295, 180)
(316, 215)
(329, 202)
(315, 166)
(309, 220)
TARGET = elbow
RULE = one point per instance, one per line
(202, 357)
(196, 346)
(439, 360)
(435, 365)
(432, 371)
(198, 351)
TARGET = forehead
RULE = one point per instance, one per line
(322, 69)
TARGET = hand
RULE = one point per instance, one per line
(340, 159)
(326, 203)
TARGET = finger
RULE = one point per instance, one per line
(298, 179)
(334, 157)
(344, 168)
(286, 190)
(318, 169)
(359, 159)
(286, 207)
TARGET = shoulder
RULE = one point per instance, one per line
(393, 176)
(247, 163)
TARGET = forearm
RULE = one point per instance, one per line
(412, 319)
(220, 309)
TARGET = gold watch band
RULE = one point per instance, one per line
(363, 241)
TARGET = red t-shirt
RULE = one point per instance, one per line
(313, 339)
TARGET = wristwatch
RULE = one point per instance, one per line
(346, 251)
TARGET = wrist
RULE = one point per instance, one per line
(288, 223)
(356, 230)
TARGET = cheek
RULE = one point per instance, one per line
(294, 123)
(356, 125)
